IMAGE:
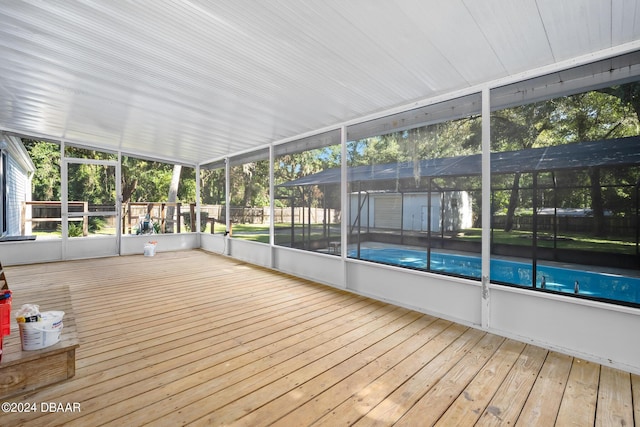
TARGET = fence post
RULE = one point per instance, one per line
(85, 219)
(129, 216)
(178, 216)
(192, 214)
(162, 217)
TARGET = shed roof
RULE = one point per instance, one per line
(603, 153)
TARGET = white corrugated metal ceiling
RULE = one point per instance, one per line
(192, 80)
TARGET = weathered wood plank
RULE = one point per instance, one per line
(43, 371)
(366, 364)
(266, 348)
(387, 398)
(543, 403)
(436, 401)
(401, 360)
(186, 385)
(175, 326)
(578, 407)
(615, 405)
(474, 399)
(281, 361)
(505, 406)
(282, 384)
(190, 348)
(635, 388)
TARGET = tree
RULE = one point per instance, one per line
(173, 195)
(142, 180)
(587, 116)
(46, 179)
(518, 128)
(591, 116)
(628, 93)
(213, 186)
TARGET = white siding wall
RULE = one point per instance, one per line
(368, 208)
(386, 210)
(17, 192)
(415, 212)
(382, 210)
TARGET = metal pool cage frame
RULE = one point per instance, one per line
(601, 154)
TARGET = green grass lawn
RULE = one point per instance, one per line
(260, 232)
(576, 241)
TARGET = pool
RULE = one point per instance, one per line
(594, 284)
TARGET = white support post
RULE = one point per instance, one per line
(344, 204)
(118, 201)
(64, 204)
(198, 230)
(227, 198)
(486, 206)
(272, 239)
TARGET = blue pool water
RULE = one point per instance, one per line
(600, 285)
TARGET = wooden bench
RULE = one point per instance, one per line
(24, 371)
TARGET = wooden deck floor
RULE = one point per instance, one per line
(199, 339)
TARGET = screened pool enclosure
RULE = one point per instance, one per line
(564, 192)
(374, 231)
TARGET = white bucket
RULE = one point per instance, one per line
(149, 249)
(45, 333)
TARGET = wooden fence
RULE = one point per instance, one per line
(262, 215)
(48, 215)
(170, 217)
